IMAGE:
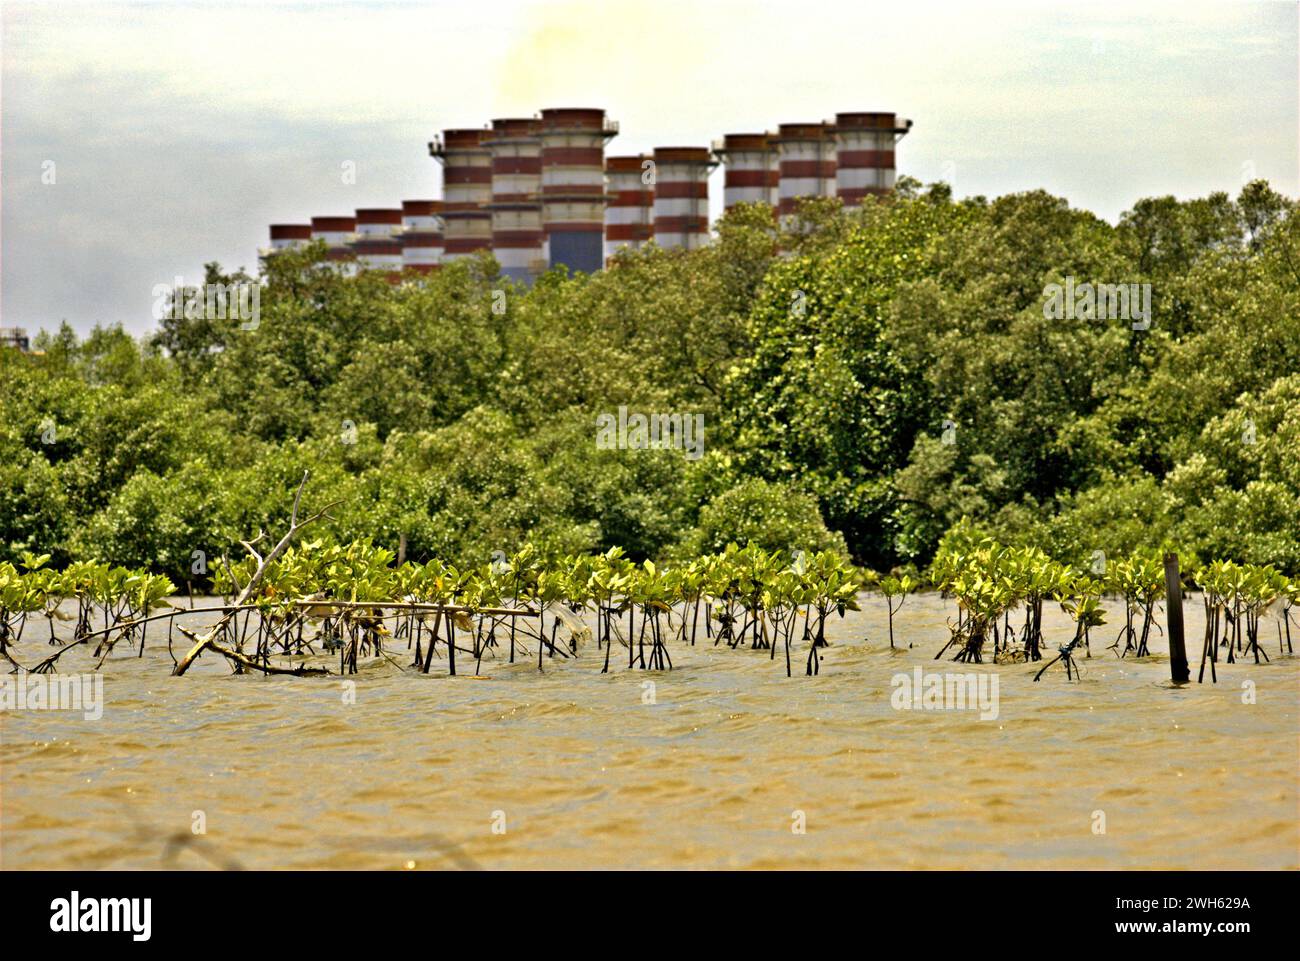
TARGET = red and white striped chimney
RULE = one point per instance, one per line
(807, 163)
(421, 238)
(573, 185)
(752, 171)
(286, 236)
(336, 232)
(516, 204)
(864, 153)
(629, 210)
(682, 196)
(376, 242)
(379, 222)
(466, 188)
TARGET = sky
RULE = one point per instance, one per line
(139, 141)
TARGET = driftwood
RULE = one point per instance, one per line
(243, 660)
(1065, 655)
(209, 640)
(413, 606)
(122, 627)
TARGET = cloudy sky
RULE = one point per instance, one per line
(174, 133)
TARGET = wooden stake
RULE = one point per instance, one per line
(1178, 669)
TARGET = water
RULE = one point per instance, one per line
(420, 770)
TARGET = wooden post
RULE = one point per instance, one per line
(1178, 669)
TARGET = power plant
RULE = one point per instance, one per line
(539, 192)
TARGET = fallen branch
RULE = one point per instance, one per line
(302, 670)
(208, 640)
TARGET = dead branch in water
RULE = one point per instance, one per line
(209, 640)
(243, 660)
(412, 606)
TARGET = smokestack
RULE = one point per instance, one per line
(516, 205)
(682, 196)
(573, 186)
(629, 213)
(466, 187)
(376, 241)
(807, 159)
(752, 174)
(286, 236)
(421, 238)
(336, 232)
(864, 154)
(379, 222)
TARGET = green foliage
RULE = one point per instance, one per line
(867, 379)
(770, 516)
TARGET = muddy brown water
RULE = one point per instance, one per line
(571, 768)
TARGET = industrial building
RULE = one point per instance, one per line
(15, 337)
(539, 192)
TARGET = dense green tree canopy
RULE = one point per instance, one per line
(866, 379)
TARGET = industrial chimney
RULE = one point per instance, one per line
(629, 211)
(466, 188)
(516, 205)
(287, 236)
(336, 232)
(421, 237)
(864, 153)
(573, 186)
(807, 163)
(752, 171)
(682, 196)
(376, 241)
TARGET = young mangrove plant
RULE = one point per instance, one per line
(357, 602)
(1235, 597)
(985, 592)
(896, 587)
(1086, 612)
(1140, 581)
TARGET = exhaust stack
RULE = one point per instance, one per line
(516, 207)
(682, 196)
(466, 188)
(629, 213)
(752, 171)
(864, 154)
(422, 237)
(289, 236)
(573, 186)
(336, 232)
(807, 163)
(375, 241)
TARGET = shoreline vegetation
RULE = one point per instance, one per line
(887, 389)
(355, 600)
(865, 379)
